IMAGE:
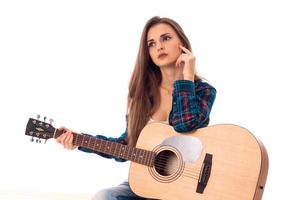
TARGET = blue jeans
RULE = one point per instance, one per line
(120, 192)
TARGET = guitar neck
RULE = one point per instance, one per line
(115, 149)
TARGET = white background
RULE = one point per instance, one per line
(72, 60)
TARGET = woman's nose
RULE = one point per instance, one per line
(160, 46)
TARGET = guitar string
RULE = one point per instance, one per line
(195, 174)
(163, 162)
(188, 172)
(184, 173)
(191, 173)
(164, 165)
(161, 165)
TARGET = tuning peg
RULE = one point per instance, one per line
(38, 141)
(51, 121)
(38, 117)
(45, 141)
(31, 139)
(45, 119)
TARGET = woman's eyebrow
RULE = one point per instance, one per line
(160, 37)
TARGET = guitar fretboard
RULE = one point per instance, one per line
(126, 152)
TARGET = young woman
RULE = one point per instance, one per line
(163, 88)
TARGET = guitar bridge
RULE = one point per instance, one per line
(205, 173)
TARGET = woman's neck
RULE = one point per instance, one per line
(168, 76)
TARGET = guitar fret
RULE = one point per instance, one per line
(82, 141)
(115, 149)
(139, 156)
(111, 148)
(101, 146)
(142, 157)
(127, 152)
(152, 158)
(119, 150)
(95, 141)
(79, 140)
(129, 155)
(120, 154)
(98, 145)
(123, 152)
(147, 157)
(104, 146)
(74, 139)
(107, 146)
(89, 141)
(136, 155)
(86, 142)
(92, 142)
(133, 155)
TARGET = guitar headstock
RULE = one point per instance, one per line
(39, 129)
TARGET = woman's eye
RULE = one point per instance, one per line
(151, 44)
(167, 38)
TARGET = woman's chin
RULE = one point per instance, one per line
(165, 64)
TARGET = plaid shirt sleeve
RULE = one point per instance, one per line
(192, 103)
(122, 139)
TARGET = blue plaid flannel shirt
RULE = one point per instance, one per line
(191, 105)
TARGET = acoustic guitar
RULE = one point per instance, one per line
(218, 162)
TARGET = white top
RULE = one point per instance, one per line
(151, 120)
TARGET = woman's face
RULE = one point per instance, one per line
(163, 45)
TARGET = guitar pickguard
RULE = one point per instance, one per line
(189, 147)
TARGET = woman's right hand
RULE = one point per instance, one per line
(66, 139)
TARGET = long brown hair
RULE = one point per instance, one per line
(144, 97)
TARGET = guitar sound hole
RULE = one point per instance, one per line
(166, 163)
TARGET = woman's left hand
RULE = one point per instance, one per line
(187, 61)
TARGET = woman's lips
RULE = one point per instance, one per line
(163, 55)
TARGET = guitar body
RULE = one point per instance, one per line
(239, 164)
(220, 162)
